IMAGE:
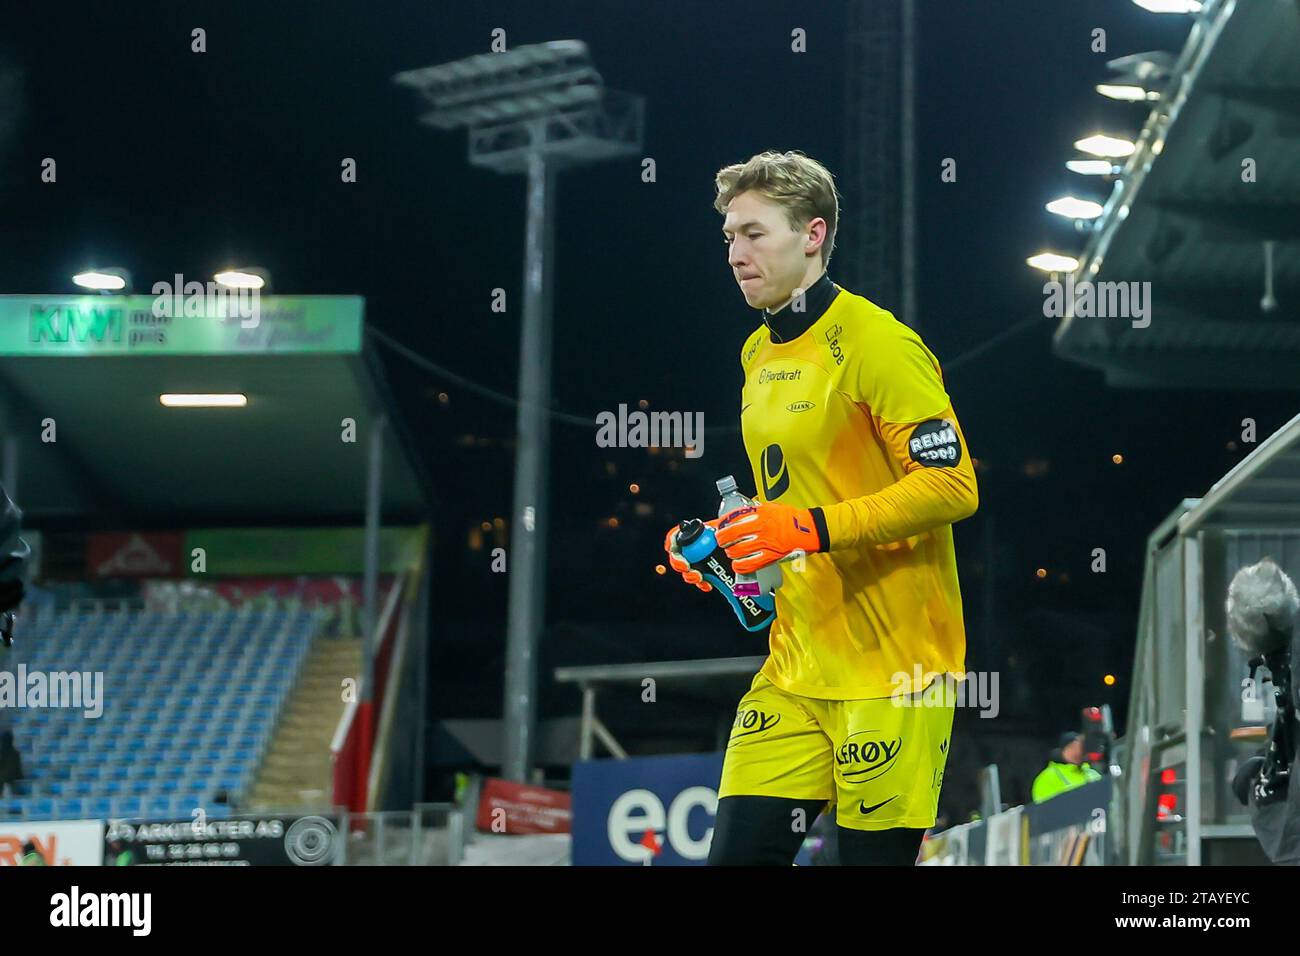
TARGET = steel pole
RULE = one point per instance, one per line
(527, 555)
(370, 575)
(907, 160)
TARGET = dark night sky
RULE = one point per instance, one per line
(175, 162)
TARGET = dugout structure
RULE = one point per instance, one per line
(1191, 719)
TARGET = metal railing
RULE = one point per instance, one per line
(429, 834)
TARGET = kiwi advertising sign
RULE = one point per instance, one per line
(167, 324)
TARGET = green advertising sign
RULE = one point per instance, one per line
(277, 551)
(197, 320)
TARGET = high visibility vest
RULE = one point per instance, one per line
(1059, 777)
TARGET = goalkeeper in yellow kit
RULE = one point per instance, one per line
(859, 462)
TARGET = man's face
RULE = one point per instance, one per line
(1073, 751)
(766, 255)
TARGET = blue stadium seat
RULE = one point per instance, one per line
(128, 807)
(190, 707)
(39, 808)
(70, 809)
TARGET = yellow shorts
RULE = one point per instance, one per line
(880, 762)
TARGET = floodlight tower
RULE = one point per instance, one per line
(536, 110)
(878, 226)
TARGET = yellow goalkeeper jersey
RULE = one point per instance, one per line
(850, 418)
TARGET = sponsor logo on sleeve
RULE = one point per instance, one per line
(935, 444)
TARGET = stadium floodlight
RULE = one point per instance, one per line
(490, 87)
(1139, 76)
(1053, 262)
(1107, 147)
(1093, 167)
(1170, 6)
(1129, 92)
(201, 400)
(535, 110)
(243, 278)
(108, 280)
(544, 99)
(1072, 207)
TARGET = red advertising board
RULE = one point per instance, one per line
(507, 807)
(148, 554)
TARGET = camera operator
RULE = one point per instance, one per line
(1262, 607)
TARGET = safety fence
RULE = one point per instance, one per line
(1067, 830)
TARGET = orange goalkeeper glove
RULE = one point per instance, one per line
(755, 537)
(681, 565)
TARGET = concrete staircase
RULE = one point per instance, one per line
(296, 770)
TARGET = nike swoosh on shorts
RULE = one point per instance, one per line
(863, 808)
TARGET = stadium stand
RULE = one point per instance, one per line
(196, 697)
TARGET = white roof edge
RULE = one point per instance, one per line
(1278, 443)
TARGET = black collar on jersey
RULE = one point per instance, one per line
(786, 324)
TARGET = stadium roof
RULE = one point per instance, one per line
(1182, 217)
(88, 371)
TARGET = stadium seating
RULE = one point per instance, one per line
(190, 701)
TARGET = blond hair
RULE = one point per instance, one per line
(803, 186)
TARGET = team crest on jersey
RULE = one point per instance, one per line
(935, 444)
(776, 476)
(800, 406)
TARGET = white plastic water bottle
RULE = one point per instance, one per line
(766, 579)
